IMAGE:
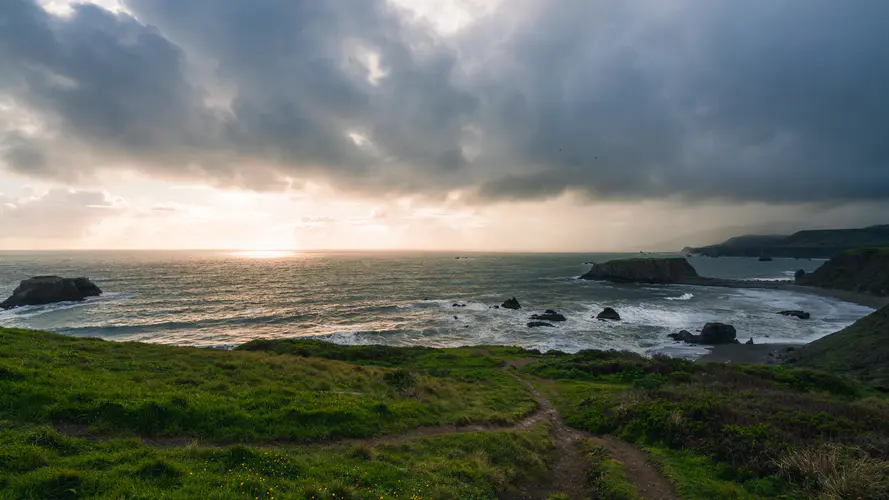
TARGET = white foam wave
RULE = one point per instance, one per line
(684, 296)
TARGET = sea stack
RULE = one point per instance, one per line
(49, 289)
(653, 270)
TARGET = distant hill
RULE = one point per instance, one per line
(817, 243)
(862, 270)
(860, 350)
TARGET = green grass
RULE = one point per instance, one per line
(698, 478)
(126, 389)
(48, 465)
(608, 479)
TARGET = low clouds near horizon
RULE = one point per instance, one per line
(779, 102)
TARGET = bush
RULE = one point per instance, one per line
(400, 379)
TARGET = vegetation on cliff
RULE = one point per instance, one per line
(860, 350)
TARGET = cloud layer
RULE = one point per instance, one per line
(772, 101)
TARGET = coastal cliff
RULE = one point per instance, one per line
(811, 244)
(862, 270)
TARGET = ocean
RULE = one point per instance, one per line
(221, 299)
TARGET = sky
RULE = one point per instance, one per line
(493, 125)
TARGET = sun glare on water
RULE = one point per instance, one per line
(263, 254)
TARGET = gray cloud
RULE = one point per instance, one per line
(55, 215)
(774, 101)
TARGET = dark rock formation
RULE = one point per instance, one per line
(50, 289)
(685, 336)
(749, 342)
(718, 333)
(865, 270)
(797, 314)
(549, 315)
(457, 304)
(654, 270)
(799, 275)
(535, 324)
(608, 313)
(511, 304)
(765, 258)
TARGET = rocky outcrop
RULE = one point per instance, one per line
(535, 324)
(549, 315)
(49, 289)
(865, 270)
(684, 336)
(796, 314)
(643, 270)
(717, 333)
(608, 313)
(512, 303)
(711, 334)
(799, 275)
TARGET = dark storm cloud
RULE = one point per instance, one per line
(776, 101)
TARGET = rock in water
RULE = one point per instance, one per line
(512, 303)
(796, 314)
(718, 333)
(765, 258)
(549, 315)
(608, 313)
(799, 275)
(50, 289)
(685, 336)
(534, 324)
(666, 270)
(749, 342)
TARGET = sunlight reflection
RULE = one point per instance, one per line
(263, 254)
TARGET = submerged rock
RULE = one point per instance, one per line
(549, 315)
(535, 324)
(718, 333)
(512, 303)
(796, 314)
(608, 313)
(652, 270)
(765, 258)
(457, 304)
(49, 289)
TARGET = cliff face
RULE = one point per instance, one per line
(865, 270)
(860, 350)
(668, 270)
(803, 244)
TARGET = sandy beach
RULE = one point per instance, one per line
(774, 353)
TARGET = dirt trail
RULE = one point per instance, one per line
(569, 469)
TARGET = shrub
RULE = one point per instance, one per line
(400, 379)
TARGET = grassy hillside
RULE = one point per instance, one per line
(731, 431)
(822, 243)
(88, 419)
(860, 350)
(861, 270)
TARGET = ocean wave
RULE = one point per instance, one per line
(684, 296)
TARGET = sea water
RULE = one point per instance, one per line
(220, 298)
